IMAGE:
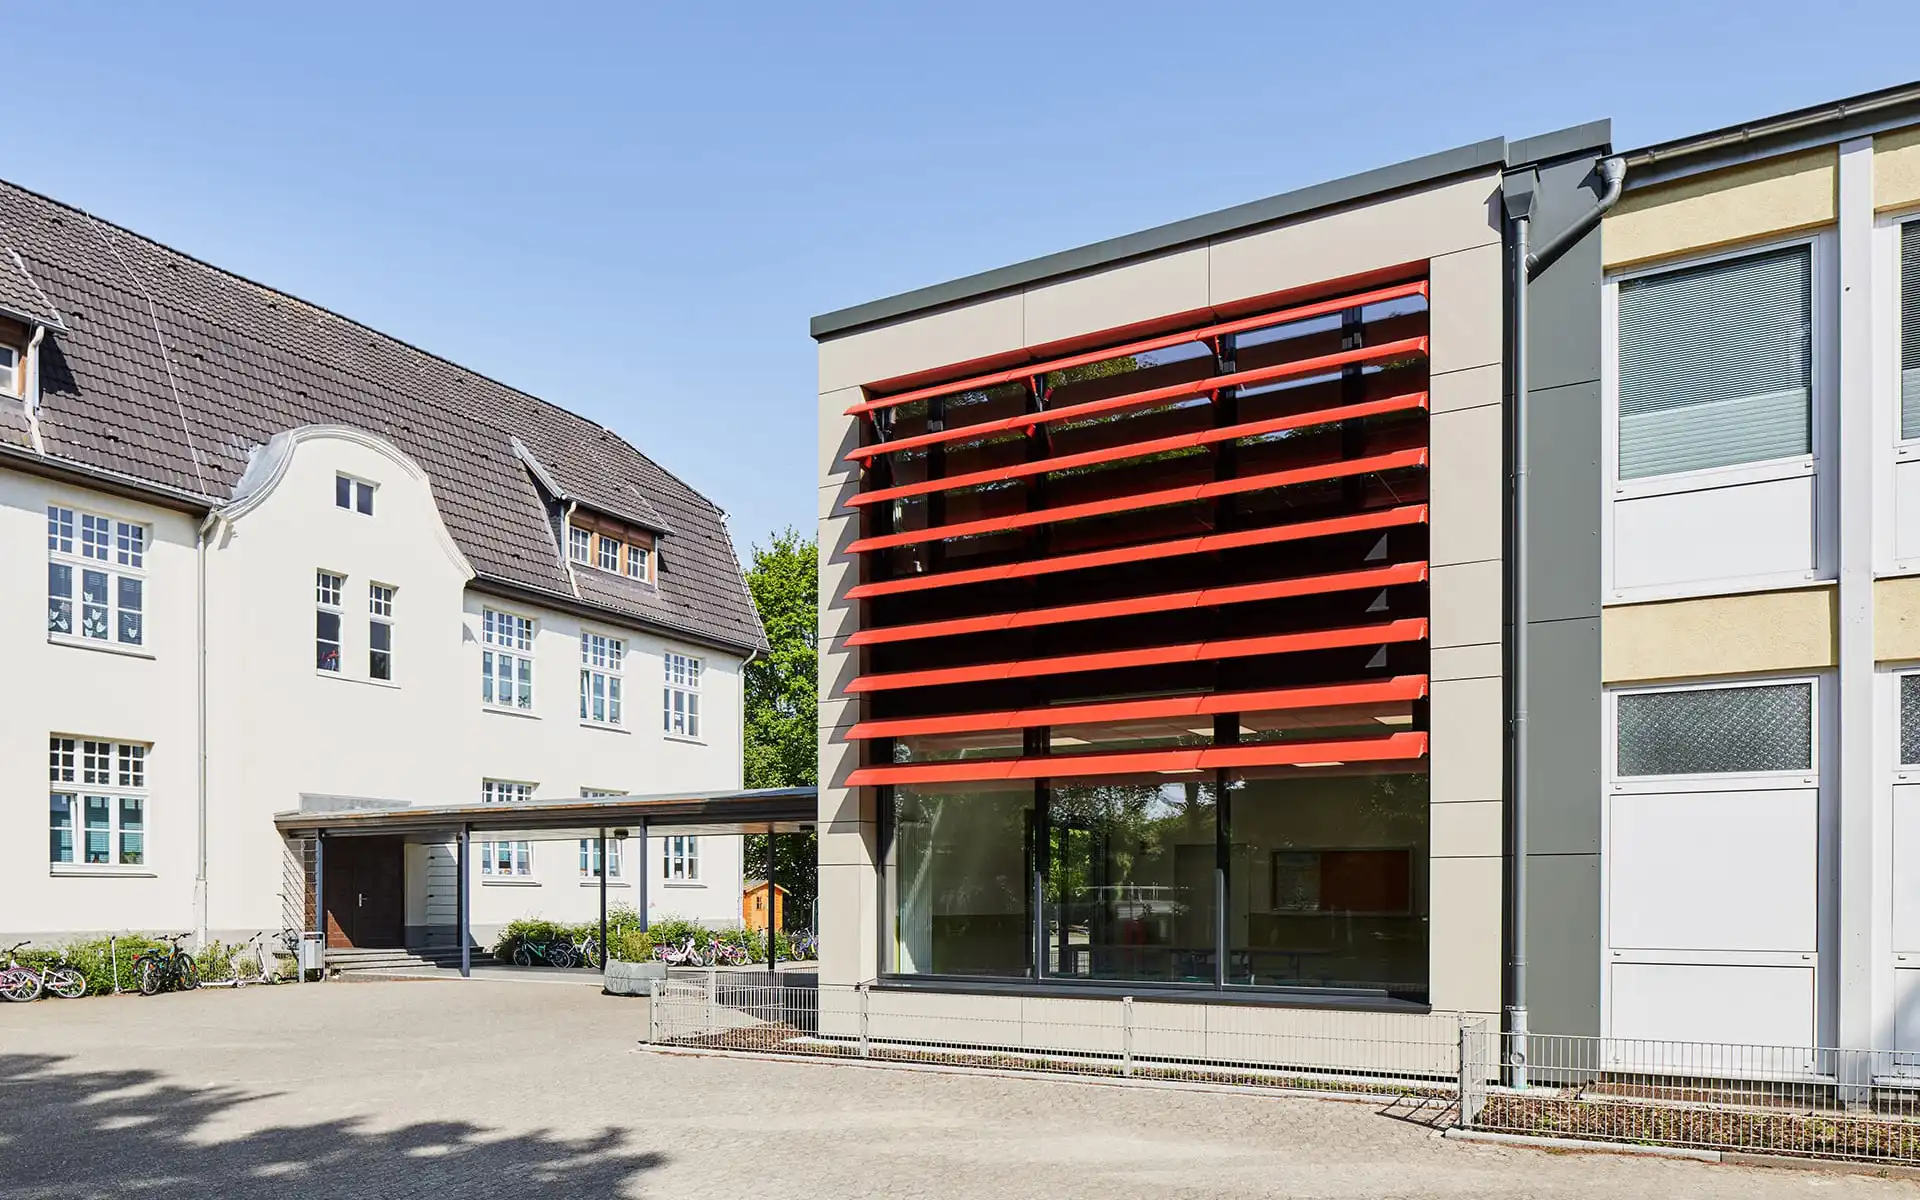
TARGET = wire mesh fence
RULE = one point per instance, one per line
(1800, 1101)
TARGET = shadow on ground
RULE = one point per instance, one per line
(111, 1133)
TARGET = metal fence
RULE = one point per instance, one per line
(1799, 1101)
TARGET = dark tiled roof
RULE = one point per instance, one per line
(244, 362)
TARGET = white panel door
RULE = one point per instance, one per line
(1720, 871)
(1906, 1016)
(1743, 531)
(1906, 872)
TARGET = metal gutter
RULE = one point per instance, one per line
(797, 806)
(491, 585)
(1833, 122)
(102, 479)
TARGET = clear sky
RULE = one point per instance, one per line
(633, 209)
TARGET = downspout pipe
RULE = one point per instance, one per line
(1518, 195)
(200, 901)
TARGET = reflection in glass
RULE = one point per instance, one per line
(1327, 883)
(1130, 879)
(957, 880)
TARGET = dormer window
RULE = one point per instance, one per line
(610, 546)
(354, 495)
(9, 370)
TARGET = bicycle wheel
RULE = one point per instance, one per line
(562, 956)
(148, 974)
(522, 957)
(186, 973)
(70, 985)
(19, 985)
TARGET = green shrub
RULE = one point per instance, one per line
(630, 945)
(674, 931)
(93, 958)
(215, 961)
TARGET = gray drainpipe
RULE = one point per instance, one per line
(200, 899)
(1517, 194)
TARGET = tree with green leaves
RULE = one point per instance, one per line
(782, 748)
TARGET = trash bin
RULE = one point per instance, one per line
(313, 954)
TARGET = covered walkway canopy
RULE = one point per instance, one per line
(324, 818)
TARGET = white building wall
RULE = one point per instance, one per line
(279, 728)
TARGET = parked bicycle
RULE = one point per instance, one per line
(805, 946)
(556, 954)
(250, 953)
(687, 954)
(21, 983)
(586, 952)
(166, 967)
(727, 954)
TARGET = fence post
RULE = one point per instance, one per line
(863, 1021)
(655, 991)
(1473, 1073)
(713, 989)
(1126, 1035)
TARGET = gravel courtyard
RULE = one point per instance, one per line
(443, 1089)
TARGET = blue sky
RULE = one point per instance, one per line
(632, 210)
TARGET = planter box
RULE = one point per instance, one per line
(632, 979)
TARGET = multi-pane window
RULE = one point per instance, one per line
(505, 858)
(9, 369)
(328, 589)
(355, 495)
(1716, 364)
(96, 577)
(610, 554)
(590, 858)
(681, 702)
(97, 810)
(637, 560)
(379, 631)
(1910, 330)
(613, 554)
(579, 544)
(1747, 729)
(681, 862)
(601, 658)
(506, 660)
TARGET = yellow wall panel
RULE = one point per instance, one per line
(1719, 635)
(1762, 199)
(1896, 619)
(1896, 169)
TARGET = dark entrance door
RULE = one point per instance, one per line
(366, 892)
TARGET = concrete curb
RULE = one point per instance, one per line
(1554, 1143)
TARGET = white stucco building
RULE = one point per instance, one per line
(292, 563)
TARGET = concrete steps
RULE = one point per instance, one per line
(388, 962)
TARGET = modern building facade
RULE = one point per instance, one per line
(290, 562)
(1171, 587)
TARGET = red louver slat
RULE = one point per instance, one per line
(1302, 312)
(1322, 364)
(1392, 748)
(1411, 629)
(1406, 514)
(1207, 437)
(1386, 691)
(1342, 469)
(1246, 593)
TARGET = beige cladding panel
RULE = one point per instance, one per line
(1896, 169)
(1406, 229)
(1763, 199)
(1466, 327)
(1896, 619)
(965, 332)
(1118, 296)
(1719, 635)
(1463, 947)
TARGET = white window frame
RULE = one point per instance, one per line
(1719, 781)
(519, 854)
(603, 658)
(683, 683)
(643, 555)
(502, 639)
(590, 859)
(606, 543)
(680, 860)
(1823, 418)
(380, 605)
(12, 370)
(113, 769)
(580, 545)
(123, 557)
(330, 601)
(358, 490)
(1890, 449)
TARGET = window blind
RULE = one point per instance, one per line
(1716, 364)
(1910, 330)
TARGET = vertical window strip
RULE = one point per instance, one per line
(103, 821)
(1910, 330)
(379, 632)
(681, 696)
(601, 659)
(506, 660)
(328, 591)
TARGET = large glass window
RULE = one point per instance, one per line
(96, 584)
(957, 878)
(1716, 364)
(1327, 881)
(1130, 879)
(97, 802)
(506, 660)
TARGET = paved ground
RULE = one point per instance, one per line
(440, 1089)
